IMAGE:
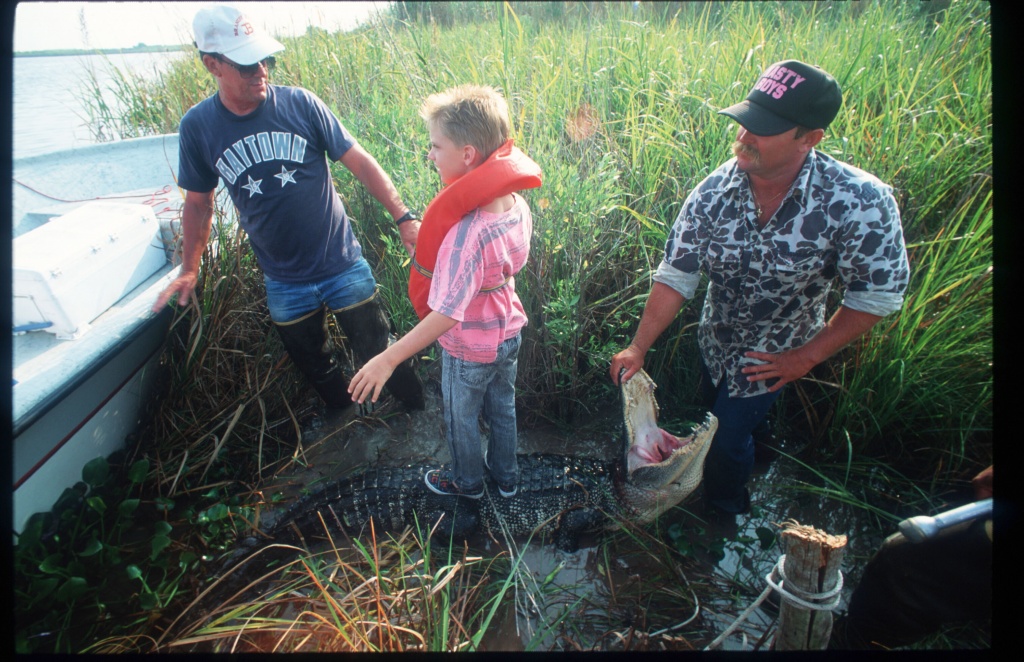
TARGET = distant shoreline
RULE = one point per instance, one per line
(101, 51)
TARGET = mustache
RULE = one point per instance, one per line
(741, 149)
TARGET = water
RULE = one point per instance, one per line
(48, 113)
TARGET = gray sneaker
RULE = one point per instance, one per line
(507, 490)
(440, 481)
(504, 489)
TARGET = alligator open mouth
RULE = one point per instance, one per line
(666, 466)
(655, 447)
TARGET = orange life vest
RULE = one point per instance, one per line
(507, 170)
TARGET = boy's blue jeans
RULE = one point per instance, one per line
(469, 389)
(730, 461)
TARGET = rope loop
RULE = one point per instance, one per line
(792, 595)
(152, 199)
(824, 601)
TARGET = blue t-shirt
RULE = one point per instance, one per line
(274, 164)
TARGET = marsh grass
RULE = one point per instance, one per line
(141, 109)
(394, 594)
(636, 597)
(412, 593)
(619, 106)
(226, 379)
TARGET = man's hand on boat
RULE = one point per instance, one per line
(184, 285)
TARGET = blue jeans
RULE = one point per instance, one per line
(291, 301)
(730, 461)
(470, 389)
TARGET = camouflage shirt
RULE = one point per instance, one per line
(767, 287)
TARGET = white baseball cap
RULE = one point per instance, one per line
(226, 30)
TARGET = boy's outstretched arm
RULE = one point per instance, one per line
(371, 377)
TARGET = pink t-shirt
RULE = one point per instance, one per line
(480, 252)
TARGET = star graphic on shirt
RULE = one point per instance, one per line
(253, 186)
(285, 176)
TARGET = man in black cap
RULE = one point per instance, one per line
(772, 228)
(270, 145)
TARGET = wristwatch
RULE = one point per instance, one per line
(407, 216)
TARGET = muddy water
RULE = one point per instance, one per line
(617, 594)
(741, 551)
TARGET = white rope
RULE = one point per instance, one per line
(696, 610)
(696, 613)
(792, 595)
(739, 620)
(801, 598)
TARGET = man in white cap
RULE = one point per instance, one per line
(270, 144)
(773, 228)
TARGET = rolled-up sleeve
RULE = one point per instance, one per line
(874, 303)
(685, 246)
(873, 263)
(680, 281)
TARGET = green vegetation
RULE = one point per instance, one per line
(618, 104)
(104, 554)
(392, 594)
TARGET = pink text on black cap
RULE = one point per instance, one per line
(777, 80)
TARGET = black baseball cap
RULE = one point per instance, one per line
(788, 94)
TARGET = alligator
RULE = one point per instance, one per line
(562, 496)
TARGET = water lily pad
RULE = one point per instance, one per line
(96, 472)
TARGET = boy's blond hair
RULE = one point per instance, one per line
(474, 115)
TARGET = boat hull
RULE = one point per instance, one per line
(76, 400)
(90, 419)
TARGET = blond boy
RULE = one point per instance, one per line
(475, 313)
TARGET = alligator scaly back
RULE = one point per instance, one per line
(562, 495)
(394, 497)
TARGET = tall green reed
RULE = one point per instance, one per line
(921, 120)
(917, 372)
(146, 104)
(619, 106)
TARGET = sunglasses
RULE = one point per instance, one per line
(249, 70)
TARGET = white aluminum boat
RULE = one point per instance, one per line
(92, 243)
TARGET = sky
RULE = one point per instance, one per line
(61, 25)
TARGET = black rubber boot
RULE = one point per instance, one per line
(367, 328)
(309, 346)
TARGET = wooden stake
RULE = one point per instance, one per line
(811, 567)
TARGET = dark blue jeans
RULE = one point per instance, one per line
(730, 460)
